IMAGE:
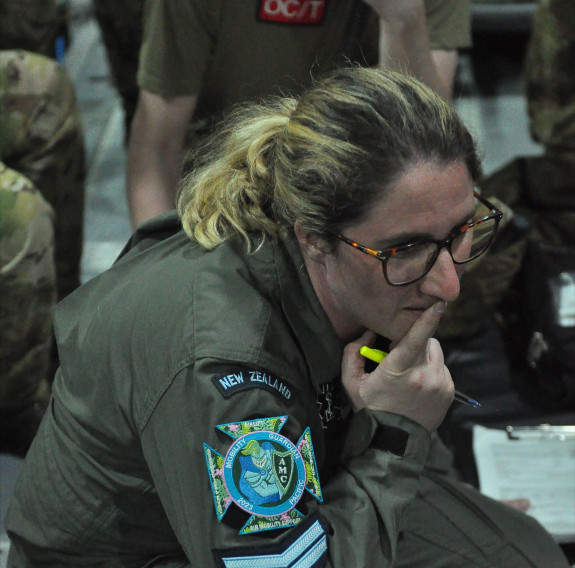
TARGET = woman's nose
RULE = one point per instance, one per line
(442, 281)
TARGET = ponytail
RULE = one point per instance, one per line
(231, 190)
(321, 160)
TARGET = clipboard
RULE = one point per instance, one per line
(542, 432)
(532, 462)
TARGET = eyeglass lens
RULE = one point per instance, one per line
(413, 262)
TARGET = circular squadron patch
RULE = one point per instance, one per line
(264, 474)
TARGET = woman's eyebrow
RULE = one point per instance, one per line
(468, 217)
(413, 237)
(403, 238)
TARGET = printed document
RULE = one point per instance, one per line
(537, 463)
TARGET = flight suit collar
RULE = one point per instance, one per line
(322, 348)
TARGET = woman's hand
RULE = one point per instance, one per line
(412, 380)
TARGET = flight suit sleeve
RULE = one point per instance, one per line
(350, 520)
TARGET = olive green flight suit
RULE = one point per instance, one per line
(151, 352)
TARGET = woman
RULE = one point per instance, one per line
(199, 417)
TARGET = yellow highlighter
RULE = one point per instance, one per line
(375, 355)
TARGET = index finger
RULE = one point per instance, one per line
(409, 349)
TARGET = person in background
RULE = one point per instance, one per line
(42, 176)
(28, 292)
(199, 58)
(41, 136)
(120, 24)
(39, 26)
(213, 407)
(508, 338)
(538, 196)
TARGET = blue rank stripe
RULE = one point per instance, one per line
(305, 552)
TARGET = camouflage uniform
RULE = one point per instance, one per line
(121, 26)
(41, 146)
(27, 287)
(550, 80)
(41, 137)
(543, 188)
(550, 77)
(28, 292)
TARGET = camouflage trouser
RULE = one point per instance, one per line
(41, 137)
(33, 25)
(550, 76)
(120, 22)
(27, 290)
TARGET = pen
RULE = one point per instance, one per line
(377, 356)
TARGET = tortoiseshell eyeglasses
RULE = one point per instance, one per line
(406, 263)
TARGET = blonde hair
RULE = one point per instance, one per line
(321, 159)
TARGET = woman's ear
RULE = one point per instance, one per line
(312, 246)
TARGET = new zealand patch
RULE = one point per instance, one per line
(292, 11)
(263, 473)
(240, 379)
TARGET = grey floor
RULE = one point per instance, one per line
(490, 98)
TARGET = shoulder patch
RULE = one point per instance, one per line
(304, 547)
(242, 378)
(263, 473)
(292, 11)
